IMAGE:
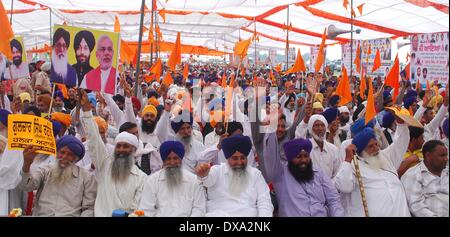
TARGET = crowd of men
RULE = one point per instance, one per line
(275, 145)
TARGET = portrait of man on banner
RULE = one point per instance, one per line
(103, 77)
(19, 66)
(83, 45)
(61, 71)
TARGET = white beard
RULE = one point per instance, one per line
(375, 161)
(239, 182)
(60, 175)
(174, 176)
(317, 138)
(186, 143)
(59, 64)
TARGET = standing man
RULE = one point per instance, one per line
(235, 188)
(173, 191)
(83, 44)
(61, 71)
(102, 78)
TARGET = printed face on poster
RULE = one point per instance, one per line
(382, 44)
(19, 66)
(429, 59)
(85, 58)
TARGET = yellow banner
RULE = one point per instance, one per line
(24, 129)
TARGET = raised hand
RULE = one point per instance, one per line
(84, 101)
(202, 170)
(29, 153)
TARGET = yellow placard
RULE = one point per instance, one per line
(24, 130)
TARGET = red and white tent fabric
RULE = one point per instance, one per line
(218, 24)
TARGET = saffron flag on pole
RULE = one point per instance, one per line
(357, 60)
(393, 76)
(321, 56)
(299, 65)
(6, 33)
(175, 56)
(370, 108)
(344, 90)
(116, 24)
(376, 61)
(157, 69)
(241, 48)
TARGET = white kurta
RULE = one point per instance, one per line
(188, 200)
(254, 201)
(385, 194)
(10, 167)
(111, 195)
(212, 139)
(327, 160)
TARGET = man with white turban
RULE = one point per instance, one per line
(120, 181)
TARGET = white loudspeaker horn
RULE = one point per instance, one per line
(403, 43)
(333, 31)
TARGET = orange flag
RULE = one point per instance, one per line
(345, 4)
(241, 47)
(6, 33)
(243, 72)
(175, 56)
(185, 71)
(168, 80)
(157, 69)
(418, 85)
(353, 13)
(126, 53)
(436, 90)
(360, 8)
(116, 24)
(392, 78)
(408, 70)
(376, 61)
(370, 107)
(357, 60)
(63, 89)
(320, 56)
(428, 87)
(151, 36)
(159, 33)
(362, 86)
(224, 80)
(272, 77)
(344, 90)
(277, 68)
(162, 13)
(299, 65)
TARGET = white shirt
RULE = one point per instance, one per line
(87, 161)
(384, 192)
(21, 71)
(191, 157)
(212, 139)
(187, 200)
(427, 193)
(432, 128)
(11, 162)
(327, 160)
(110, 195)
(254, 201)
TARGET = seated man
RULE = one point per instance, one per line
(235, 188)
(173, 191)
(426, 185)
(63, 189)
(300, 187)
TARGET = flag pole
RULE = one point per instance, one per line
(10, 16)
(361, 186)
(138, 66)
(351, 40)
(151, 28)
(287, 39)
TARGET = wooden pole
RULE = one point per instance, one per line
(287, 39)
(138, 66)
(361, 186)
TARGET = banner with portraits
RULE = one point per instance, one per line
(382, 44)
(25, 129)
(429, 58)
(85, 58)
(18, 67)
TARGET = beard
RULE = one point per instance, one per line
(17, 61)
(186, 142)
(301, 174)
(59, 64)
(375, 161)
(121, 167)
(83, 60)
(148, 126)
(174, 176)
(58, 108)
(61, 175)
(344, 120)
(239, 180)
(317, 137)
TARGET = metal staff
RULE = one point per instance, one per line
(361, 187)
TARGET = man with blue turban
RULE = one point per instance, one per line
(182, 127)
(165, 191)
(302, 190)
(234, 188)
(385, 195)
(63, 189)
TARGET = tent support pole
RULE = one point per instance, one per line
(12, 8)
(287, 39)
(351, 41)
(138, 66)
